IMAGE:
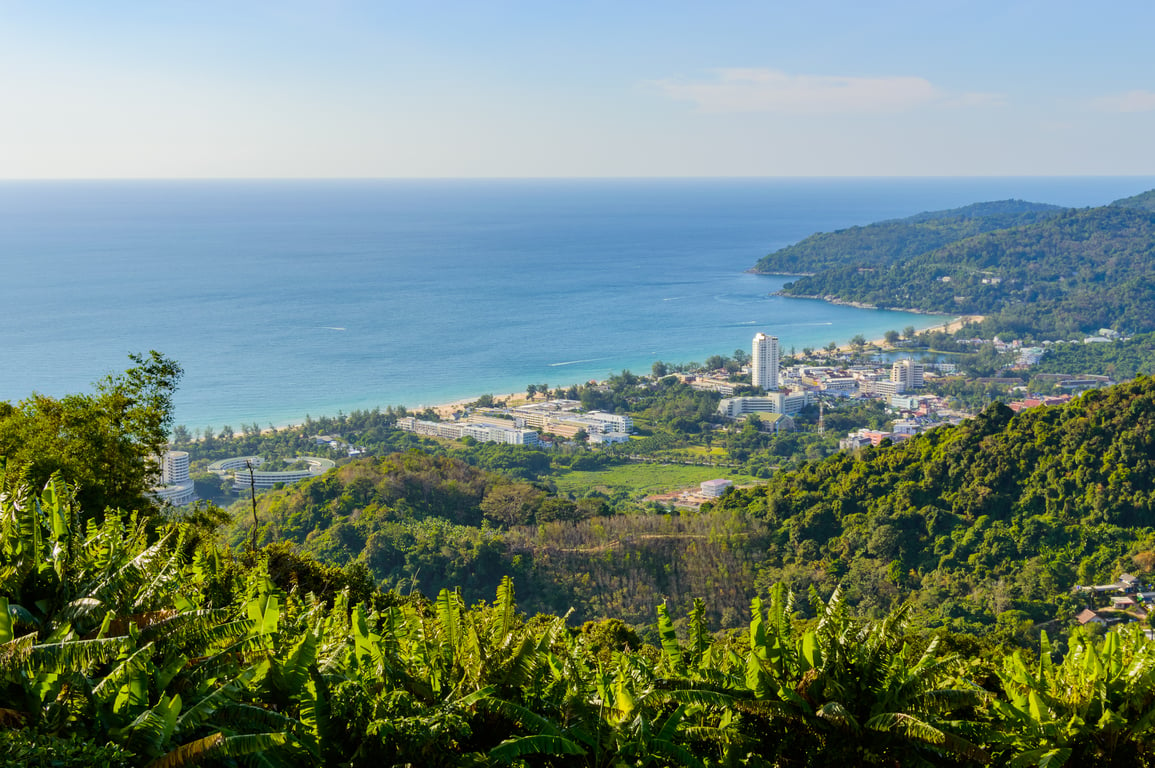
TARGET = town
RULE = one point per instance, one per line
(768, 389)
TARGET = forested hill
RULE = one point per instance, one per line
(886, 242)
(1144, 200)
(1002, 512)
(1077, 271)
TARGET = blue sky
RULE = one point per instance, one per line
(358, 88)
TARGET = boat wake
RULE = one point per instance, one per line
(576, 362)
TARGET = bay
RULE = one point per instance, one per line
(287, 298)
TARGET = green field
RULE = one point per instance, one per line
(644, 479)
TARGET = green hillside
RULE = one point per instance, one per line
(1001, 513)
(1121, 360)
(1143, 200)
(887, 242)
(1077, 271)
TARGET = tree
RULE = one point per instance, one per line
(909, 332)
(858, 341)
(106, 443)
(512, 504)
(659, 369)
(891, 337)
(531, 391)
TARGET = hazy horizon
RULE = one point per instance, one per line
(307, 89)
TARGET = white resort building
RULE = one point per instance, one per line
(480, 430)
(776, 402)
(764, 362)
(239, 468)
(176, 487)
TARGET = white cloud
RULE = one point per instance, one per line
(1131, 101)
(976, 100)
(770, 90)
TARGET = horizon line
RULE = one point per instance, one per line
(896, 177)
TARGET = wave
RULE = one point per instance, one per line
(576, 362)
(676, 298)
(333, 328)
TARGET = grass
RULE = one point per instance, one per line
(644, 479)
(703, 451)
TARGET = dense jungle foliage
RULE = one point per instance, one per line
(127, 645)
(887, 242)
(421, 523)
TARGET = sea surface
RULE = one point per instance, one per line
(287, 298)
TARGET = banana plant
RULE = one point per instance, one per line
(854, 690)
(1097, 706)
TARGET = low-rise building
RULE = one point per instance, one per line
(840, 386)
(852, 442)
(775, 402)
(245, 471)
(869, 436)
(711, 384)
(612, 422)
(483, 430)
(715, 489)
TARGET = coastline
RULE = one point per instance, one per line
(447, 409)
(830, 299)
(948, 327)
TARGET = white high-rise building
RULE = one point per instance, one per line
(176, 487)
(764, 366)
(174, 468)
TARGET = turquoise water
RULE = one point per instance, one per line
(282, 299)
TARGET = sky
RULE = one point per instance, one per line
(537, 88)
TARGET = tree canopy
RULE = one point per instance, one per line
(105, 442)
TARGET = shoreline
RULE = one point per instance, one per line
(948, 327)
(447, 409)
(517, 398)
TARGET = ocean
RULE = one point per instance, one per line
(287, 298)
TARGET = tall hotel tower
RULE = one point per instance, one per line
(764, 368)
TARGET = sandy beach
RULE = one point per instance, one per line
(948, 327)
(446, 410)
